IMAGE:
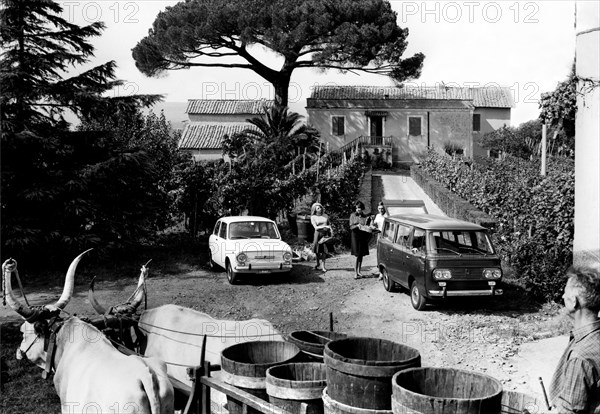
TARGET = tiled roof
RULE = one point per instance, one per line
(226, 106)
(484, 97)
(207, 135)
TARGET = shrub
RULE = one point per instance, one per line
(451, 148)
(338, 193)
(535, 213)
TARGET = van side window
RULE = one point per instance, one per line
(418, 240)
(216, 229)
(223, 232)
(403, 235)
(389, 230)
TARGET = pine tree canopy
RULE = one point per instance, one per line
(347, 35)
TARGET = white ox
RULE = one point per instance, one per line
(174, 334)
(90, 375)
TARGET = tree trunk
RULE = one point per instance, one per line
(281, 85)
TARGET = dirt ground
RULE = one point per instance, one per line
(509, 338)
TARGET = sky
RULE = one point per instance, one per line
(528, 46)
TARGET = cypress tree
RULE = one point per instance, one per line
(52, 175)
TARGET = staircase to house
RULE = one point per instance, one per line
(367, 140)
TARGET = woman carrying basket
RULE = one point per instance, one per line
(323, 233)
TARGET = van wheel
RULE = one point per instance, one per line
(417, 299)
(388, 284)
(232, 277)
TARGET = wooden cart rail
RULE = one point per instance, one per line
(199, 394)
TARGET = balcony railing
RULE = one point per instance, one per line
(368, 140)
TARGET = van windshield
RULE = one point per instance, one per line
(462, 242)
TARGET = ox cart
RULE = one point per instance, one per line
(196, 398)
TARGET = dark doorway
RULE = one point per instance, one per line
(376, 126)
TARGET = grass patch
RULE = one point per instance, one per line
(23, 389)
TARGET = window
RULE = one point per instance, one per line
(390, 229)
(338, 125)
(223, 232)
(414, 126)
(403, 235)
(253, 230)
(493, 153)
(418, 240)
(463, 242)
(476, 122)
(216, 229)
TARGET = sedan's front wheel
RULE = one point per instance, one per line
(232, 277)
(211, 262)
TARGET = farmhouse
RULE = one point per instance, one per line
(210, 120)
(402, 122)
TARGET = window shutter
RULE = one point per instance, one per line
(414, 126)
(338, 125)
(476, 122)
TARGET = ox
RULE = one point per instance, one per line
(90, 375)
(174, 334)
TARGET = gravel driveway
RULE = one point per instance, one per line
(494, 337)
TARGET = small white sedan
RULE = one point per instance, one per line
(248, 244)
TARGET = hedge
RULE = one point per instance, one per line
(534, 213)
(449, 202)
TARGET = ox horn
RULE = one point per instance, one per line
(69, 283)
(8, 267)
(136, 298)
(92, 298)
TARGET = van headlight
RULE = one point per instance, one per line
(287, 256)
(442, 274)
(492, 273)
(241, 258)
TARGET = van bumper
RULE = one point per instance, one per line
(486, 292)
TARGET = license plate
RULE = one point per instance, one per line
(264, 271)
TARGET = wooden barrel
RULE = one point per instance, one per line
(445, 391)
(305, 229)
(312, 343)
(331, 406)
(359, 370)
(245, 366)
(514, 402)
(290, 385)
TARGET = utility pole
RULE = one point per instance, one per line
(543, 171)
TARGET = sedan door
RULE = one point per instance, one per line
(216, 243)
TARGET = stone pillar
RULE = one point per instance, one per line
(587, 139)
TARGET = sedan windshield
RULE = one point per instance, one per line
(253, 230)
(462, 242)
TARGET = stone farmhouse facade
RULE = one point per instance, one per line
(210, 120)
(404, 121)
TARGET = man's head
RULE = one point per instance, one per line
(582, 290)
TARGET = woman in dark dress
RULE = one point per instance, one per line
(359, 237)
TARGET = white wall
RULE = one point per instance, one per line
(587, 137)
